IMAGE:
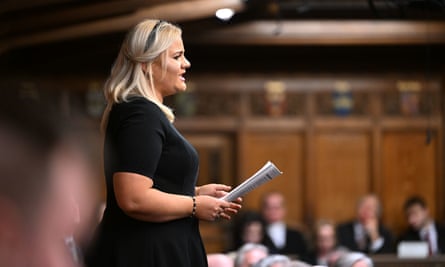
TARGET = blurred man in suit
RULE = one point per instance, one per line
(366, 233)
(422, 227)
(279, 238)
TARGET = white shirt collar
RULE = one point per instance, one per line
(277, 233)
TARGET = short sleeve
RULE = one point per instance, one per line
(139, 138)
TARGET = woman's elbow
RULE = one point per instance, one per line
(133, 209)
(128, 205)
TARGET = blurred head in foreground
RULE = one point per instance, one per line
(34, 196)
(274, 261)
(249, 254)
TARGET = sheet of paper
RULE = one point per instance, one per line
(265, 174)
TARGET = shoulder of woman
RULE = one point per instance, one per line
(136, 105)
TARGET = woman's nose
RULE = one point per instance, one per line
(186, 64)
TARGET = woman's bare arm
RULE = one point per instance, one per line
(136, 196)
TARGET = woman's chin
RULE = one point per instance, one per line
(181, 89)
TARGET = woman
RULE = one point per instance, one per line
(153, 206)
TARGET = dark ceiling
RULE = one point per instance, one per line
(28, 22)
(85, 35)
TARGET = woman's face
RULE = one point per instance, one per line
(173, 80)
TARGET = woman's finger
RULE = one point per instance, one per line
(222, 187)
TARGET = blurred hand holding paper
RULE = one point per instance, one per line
(266, 173)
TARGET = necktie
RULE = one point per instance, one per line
(362, 243)
(426, 238)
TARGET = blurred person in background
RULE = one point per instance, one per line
(422, 227)
(353, 259)
(32, 229)
(275, 260)
(279, 238)
(366, 233)
(249, 254)
(249, 227)
(298, 263)
(219, 260)
(325, 243)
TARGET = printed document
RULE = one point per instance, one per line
(266, 173)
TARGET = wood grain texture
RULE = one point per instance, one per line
(342, 171)
(409, 166)
(285, 150)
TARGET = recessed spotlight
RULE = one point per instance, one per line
(224, 13)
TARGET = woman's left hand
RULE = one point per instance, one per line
(214, 190)
(218, 191)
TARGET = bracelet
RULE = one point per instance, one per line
(194, 207)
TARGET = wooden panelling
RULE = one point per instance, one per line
(285, 150)
(215, 157)
(329, 160)
(341, 173)
(409, 166)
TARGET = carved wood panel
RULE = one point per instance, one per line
(409, 166)
(342, 173)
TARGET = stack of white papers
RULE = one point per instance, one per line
(266, 173)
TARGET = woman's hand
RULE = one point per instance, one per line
(210, 208)
(214, 190)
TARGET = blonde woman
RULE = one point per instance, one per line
(153, 204)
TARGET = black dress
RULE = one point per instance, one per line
(140, 139)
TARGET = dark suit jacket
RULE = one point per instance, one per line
(345, 237)
(295, 244)
(414, 235)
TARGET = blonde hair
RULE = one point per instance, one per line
(131, 74)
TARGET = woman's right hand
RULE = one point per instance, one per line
(210, 208)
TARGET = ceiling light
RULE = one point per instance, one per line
(224, 13)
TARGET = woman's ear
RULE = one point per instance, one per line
(144, 67)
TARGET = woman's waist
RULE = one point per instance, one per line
(119, 219)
